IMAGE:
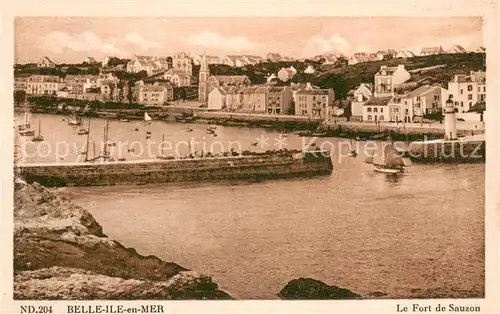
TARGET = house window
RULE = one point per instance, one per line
(375, 109)
(484, 89)
(369, 117)
(381, 118)
(461, 104)
(470, 104)
(469, 88)
(461, 91)
(436, 97)
(381, 109)
(418, 98)
(479, 89)
(470, 97)
(369, 109)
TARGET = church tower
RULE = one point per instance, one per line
(202, 82)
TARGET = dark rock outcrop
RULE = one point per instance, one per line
(311, 289)
(59, 246)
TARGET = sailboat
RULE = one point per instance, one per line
(84, 131)
(26, 124)
(189, 129)
(391, 161)
(38, 138)
(352, 152)
(147, 118)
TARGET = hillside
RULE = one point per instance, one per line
(344, 78)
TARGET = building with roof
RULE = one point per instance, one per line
(279, 100)
(227, 80)
(21, 83)
(427, 51)
(386, 54)
(467, 90)
(210, 59)
(43, 85)
(309, 70)
(178, 77)
(273, 57)
(150, 64)
(182, 61)
(286, 74)
(457, 49)
(388, 77)
(241, 60)
(79, 84)
(314, 103)
(358, 97)
(426, 99)
(156, 94)
(46, 62)
(376, 109)
(90, 60)
(361, 57)
(404, 54)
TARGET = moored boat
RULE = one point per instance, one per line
(39, 137)
(391, 161)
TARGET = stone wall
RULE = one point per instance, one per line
(448, 151)
(162, 171)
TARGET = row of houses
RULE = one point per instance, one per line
(264, 99)
(379, 102)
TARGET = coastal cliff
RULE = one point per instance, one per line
(61, 252)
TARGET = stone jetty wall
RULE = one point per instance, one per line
(162, 171)
(367, 127)
(448, 151)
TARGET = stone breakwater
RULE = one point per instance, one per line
(61, 253)
(260, 166)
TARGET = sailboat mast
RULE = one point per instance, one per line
(106, 139)
(39, 127)
(162, 141)
(88, 137)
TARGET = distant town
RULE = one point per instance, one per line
(386, 86)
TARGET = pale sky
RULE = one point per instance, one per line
(67, 39)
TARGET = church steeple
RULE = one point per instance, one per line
(203, 85)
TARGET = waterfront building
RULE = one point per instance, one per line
(21, 83)
(450, 120)
(314, 103)
(43, 85)
(358, 98)
(46, 62)
(388, 77)
(204, 75)
(227, 80)
(279, 100)
(424, 100)
(79, 84)
(376, 109)
(467, 90)
(295, 87)
(427, 51)
(157, 94)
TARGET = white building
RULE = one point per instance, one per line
(44, 85)
(467, 90)
(388, 77)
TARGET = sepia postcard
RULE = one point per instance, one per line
(307, 157)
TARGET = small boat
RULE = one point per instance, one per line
(210, 131)
(352, 152)
(391, 161)
(110, 143)
(189, 129)
(255, 143)
(124, 120)
(131, 150)
(83, 132)
(74, 120)
(283, 134)
(136, 129)
(27, 133)
(148, 133)
(39, 137)
(122, 159)
(212, 127)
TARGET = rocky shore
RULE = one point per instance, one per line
(61, 252)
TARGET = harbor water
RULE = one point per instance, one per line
(414, 235)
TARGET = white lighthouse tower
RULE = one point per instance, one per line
(450, 120)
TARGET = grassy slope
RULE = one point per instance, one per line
(342, 79)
